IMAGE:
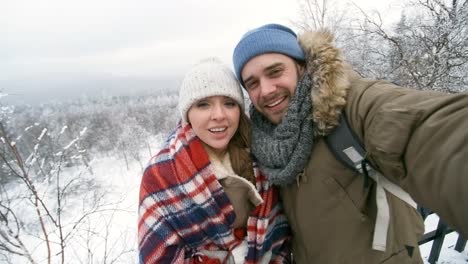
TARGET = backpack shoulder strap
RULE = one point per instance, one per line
(347, 148)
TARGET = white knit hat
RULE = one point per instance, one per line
(209, 77)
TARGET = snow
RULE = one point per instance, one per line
(123, 185)
(42, 134)
(82, 132)
(114, 230)
(63, 129)
(448, 254)
(70, 144)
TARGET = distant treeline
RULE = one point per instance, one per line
(114, 125)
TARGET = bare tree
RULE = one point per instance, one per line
(43, 210)
(52, 208)
(427, 48)
(331, 15)
(10, 231)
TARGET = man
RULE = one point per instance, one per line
(417, 139)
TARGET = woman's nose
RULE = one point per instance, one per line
(217, 112)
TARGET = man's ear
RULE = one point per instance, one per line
(300, 67)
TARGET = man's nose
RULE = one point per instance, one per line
(267, 87)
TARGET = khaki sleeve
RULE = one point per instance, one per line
(418, 140)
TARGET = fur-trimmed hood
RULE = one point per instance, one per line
(331, 82)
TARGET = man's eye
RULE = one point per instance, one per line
(275, 72)
(251, 85)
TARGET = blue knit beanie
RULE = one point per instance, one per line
(270, 38)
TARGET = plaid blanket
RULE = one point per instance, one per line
(183, 208)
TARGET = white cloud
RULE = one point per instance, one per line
(126, 38)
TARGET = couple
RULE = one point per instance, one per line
(204, 198)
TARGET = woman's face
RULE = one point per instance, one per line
(215, 120)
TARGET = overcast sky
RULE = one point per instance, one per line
(64, 45)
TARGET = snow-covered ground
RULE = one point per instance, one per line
(113, 233)
(448, 255)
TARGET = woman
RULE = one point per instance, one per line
(202, 199)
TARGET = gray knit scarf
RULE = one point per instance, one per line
(284, 149)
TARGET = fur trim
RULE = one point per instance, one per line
(330, 82)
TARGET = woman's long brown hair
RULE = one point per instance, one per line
(239, 149)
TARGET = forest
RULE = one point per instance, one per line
(52, 199)
(51, 195)
(426, 48)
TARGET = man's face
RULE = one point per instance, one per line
(271, 80)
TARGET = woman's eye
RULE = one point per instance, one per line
(230, 103)
(202, 104)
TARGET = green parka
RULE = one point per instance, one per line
(418, 140)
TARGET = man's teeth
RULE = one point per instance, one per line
(275, 103)
(217, 129)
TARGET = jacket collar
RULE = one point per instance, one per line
(330, 80)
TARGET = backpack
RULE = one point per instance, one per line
(349, 150)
